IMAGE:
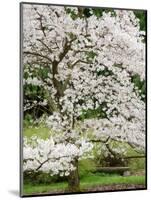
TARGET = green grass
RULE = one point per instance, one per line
(85, 182)
(98, 180)
(42, 188)
(42, 132)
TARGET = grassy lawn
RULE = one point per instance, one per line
(42, 132)
(86, 182)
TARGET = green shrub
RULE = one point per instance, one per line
(137, 164)
(86, 167)
(31, 177)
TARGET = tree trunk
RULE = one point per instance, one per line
(73, 178)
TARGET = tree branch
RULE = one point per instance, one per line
(37, 54)
(45, 45)
(78, 61)
(99, 140)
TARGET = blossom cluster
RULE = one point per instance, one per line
(51, 157)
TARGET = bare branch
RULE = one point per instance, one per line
(99, 140)
(78, 61)
(50, 50)
(37, 54)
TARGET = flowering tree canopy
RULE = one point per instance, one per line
(90, 63)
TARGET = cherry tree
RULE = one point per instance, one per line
(90, 62)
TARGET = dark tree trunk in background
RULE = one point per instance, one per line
(73, 178)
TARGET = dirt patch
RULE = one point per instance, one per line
(115, 187)
(105, 188)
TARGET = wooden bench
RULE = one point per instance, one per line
(124, 171)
